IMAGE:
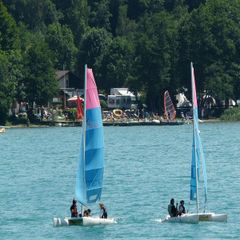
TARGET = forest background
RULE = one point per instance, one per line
(145, 45)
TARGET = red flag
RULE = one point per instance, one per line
(79, 108)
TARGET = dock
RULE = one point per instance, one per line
(65, 123)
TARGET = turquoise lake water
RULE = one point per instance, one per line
(144, 167)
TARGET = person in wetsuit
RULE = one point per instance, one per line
(103, 211)
(73, 209)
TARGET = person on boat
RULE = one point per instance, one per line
(103, 210)
(87, 213)
(181, 209)
(73, 209)
(172, 210)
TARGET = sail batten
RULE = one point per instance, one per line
(89, 180)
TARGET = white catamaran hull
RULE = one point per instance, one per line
(185, 218)
(212, 217)
(83, 221)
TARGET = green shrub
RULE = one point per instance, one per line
(72, 113)
(20, 119)
(103, 104)
(231, 114)
(3, 115)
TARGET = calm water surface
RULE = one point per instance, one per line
(145, 167)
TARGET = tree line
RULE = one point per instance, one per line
(146, 45)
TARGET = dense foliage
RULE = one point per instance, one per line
(146, 45)
(231, 114)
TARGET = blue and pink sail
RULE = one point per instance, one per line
(197, 150)
(89, 180)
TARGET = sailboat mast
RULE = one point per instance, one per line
(194, 103)
(84, 122)
(85, 104)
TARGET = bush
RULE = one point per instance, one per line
(103, 104)
(71, 113)
(20, 119)
(3, 115)
(231, 114)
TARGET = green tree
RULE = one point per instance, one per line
(220, 81)
(122, 22)
(139, 8)
(36, 14)
(75, 15)
(93, 46)
(5, 96)
(194, 4)
(10, 76)
(154, 61)
(61, 42)
(116, 65)
(8, 30)
(210, 38)
(40, 80)
(99, 14)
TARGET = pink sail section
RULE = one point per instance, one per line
(194, 95)
(91, 91)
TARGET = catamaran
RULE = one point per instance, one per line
(197, 159)
(89, 179)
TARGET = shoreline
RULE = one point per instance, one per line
(113, 123)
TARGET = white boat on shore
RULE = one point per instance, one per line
(2, 129)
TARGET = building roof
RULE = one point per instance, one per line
(61, 73)
(121, 91)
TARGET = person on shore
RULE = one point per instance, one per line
(172, 210)
(103, 210)
(73, 209)
(181, 209)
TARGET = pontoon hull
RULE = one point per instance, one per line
(84, 221)
(186, 218)
(212, 217)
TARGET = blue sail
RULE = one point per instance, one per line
(89, 180)
(197, 150)
(195, 159)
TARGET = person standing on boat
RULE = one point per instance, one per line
(172, 210)
(103, 211)
(181, 209)
(73, 209)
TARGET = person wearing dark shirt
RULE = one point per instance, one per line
(73, 209)
(103, 211)
(181, 209)
(172, 210)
